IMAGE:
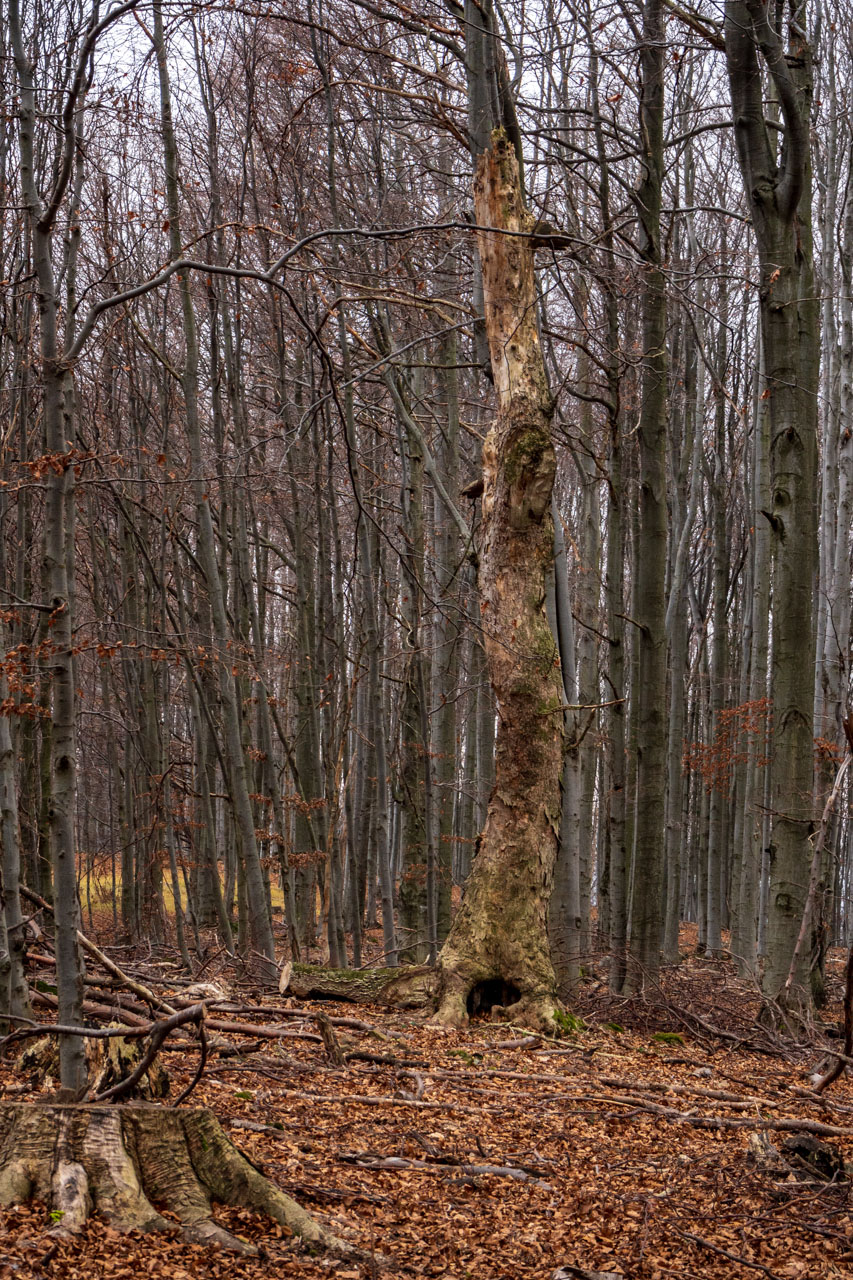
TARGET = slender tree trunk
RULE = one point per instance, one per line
(259, 920)
(59, 442)
(646, 920)
(778, 184)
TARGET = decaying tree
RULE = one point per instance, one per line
(498, 945)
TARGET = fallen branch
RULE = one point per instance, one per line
(784, 1124)
(202, 1040)
(113, 1012)
(363, 1160)
(733, 1257)
(159, 1031)
(137, 988)
(290, 1011)
(384, 1100)
(838, 1066)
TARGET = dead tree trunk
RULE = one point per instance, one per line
(497, 950)
(119, 1161)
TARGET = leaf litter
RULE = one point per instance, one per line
(628, 1147)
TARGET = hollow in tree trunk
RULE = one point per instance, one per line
(497, 950)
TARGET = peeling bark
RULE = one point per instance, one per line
(499, 935)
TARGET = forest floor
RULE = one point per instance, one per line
(621, 1147)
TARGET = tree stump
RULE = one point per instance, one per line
(121, 1161)
(107, 1062)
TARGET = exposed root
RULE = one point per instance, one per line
(121, 1161)
(537, 1010)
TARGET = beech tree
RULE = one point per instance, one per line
(776, 168)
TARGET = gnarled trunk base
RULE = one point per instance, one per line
(122, 1161)
(464, 995)
(500, 980)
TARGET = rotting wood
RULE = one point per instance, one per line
(499, 937)
(297, 1011)
(115, 1012)
(330, 1041)
(411, 987)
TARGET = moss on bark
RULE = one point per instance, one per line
(121, 1161)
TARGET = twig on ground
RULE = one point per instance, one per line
(202, 1040)
(132, 985)
(365, 1160)
(838, 1066)
(733, 1257)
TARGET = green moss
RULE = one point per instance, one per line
(548, 706)
(568, 1024)
(525, 451)
(343, 975)
(470, 1059)
(668, 1037)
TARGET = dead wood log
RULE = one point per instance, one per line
(113, 1055)
(113, 1062)
(120, 1161)
(410, 987)
(295, 1011)
(330, 1041)
(90, 1007)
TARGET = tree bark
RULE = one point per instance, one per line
(59, 442)
(646, 917)
(778, 186)
(260, 923)
(499, 934)
(123, 1160)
